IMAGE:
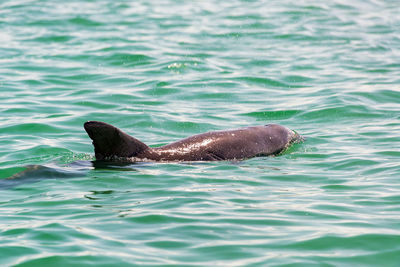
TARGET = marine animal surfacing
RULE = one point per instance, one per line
(110, 143)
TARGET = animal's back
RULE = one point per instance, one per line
(230, 144)
(111, 142)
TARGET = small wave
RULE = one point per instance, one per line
(263, 81)
(85, 22)
(272, 115)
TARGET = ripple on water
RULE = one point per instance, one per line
(163, 70)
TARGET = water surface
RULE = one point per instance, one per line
(167, 69)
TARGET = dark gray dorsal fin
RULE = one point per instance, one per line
(109, 141)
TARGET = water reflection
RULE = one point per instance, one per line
(35, 173)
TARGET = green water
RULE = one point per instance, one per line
(164, 70)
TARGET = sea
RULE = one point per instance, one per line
(162, 70)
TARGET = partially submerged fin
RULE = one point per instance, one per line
(109, 141)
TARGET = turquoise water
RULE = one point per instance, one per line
(164, 70)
